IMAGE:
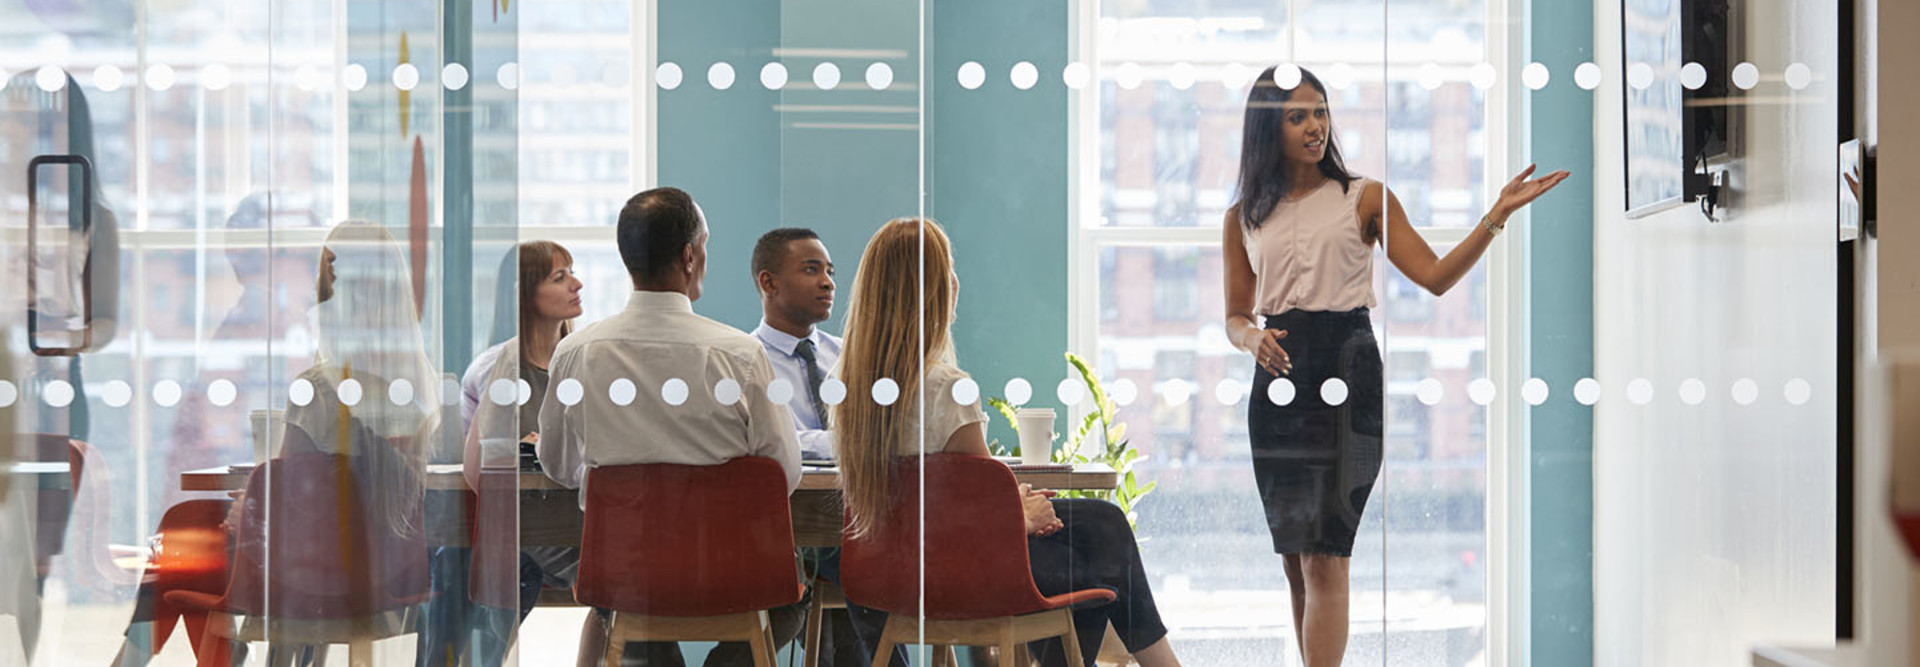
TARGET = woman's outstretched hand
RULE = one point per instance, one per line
(1520, 191)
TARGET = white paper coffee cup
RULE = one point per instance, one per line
(1036, 435)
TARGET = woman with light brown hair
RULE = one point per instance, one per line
(903, 334)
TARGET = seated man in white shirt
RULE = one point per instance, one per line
(794, 274)
(663, 241)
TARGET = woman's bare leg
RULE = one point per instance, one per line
(1297, 588)
(1325, 625)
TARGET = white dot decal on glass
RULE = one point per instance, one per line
(449, 391)
(1746, 391)
(1799, 391)
(116, 394)
(1176, 392)
(349, 392)
(833, 391)
(773, 76)
(1693, 76)
(8, 392)
(215, 77)
(614, 75)
(668, 76)
(1019, 391)
(221, 393)
(1430, 76)
(779, 391)
(406, 76)
(1286, 76)
(1587, 76)
(400, 392)
(1235, 76)
(50, 78)
(570, 392)
(720, 76)
(160, 76)
(1640, 76)
(1693, 391)
(1075, 75)
(1228, 391)
(971, 75)
(1535, 76)
(826, 76)
(966, 391)
(1483, 76)
(1070, 392)
(1481, 391)
(58, 394)
(886, 391)
(1023, 75)
(508, 76)
(522, 391)
(305, 77)
(1746, 76)
(166, 393)
(1333, 391)
(105, 77)
(1534, 391)
(1340, 76)
(501, 392)
(301, 393)
(1430, 391)
(674, 391)
(1281, 391)
(726, 391)
(1587, 391)
(1129, 76)
(879, 76)
(1181, 76)
(622, 392)
(454, 76)
(1640, 391)
(1124, 392)
(354, 77)
(1799, 76)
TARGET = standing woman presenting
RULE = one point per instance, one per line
(1298, 245)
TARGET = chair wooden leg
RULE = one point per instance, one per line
(1009, 653)
(1072, 640)
(943, 657)
(1021, 657)
(816, 614)
(889, 638)
(360, 652)
(761, 641)
(616, 641)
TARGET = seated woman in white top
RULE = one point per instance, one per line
(1072, 544)
(549, 300)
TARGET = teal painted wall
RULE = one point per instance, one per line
(1559, 339)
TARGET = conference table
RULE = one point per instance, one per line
(550, 514)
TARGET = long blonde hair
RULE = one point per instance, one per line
(893, 331)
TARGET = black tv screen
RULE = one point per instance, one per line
(1676, 58)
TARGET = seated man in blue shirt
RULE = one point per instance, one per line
(794, 274)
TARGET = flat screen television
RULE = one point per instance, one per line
(1680, 104)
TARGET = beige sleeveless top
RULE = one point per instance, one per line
(1309, 254)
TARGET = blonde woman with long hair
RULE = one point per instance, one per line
(1071, 544)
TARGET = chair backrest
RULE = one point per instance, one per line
(494, 508)
(310, 546)
(678, 540)
(193, 544)
(974, 544)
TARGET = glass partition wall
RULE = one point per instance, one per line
(292, 284)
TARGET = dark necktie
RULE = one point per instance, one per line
(804, 350)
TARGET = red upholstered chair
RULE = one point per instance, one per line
(191, 555)
(688, 553)
(315, 563)
(979, 588)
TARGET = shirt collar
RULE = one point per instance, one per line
(659, 302)
(781, 340)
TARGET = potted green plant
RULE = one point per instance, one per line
(1115, 450)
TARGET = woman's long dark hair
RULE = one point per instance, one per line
(1264, 176)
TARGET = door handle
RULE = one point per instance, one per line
(81, 234)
